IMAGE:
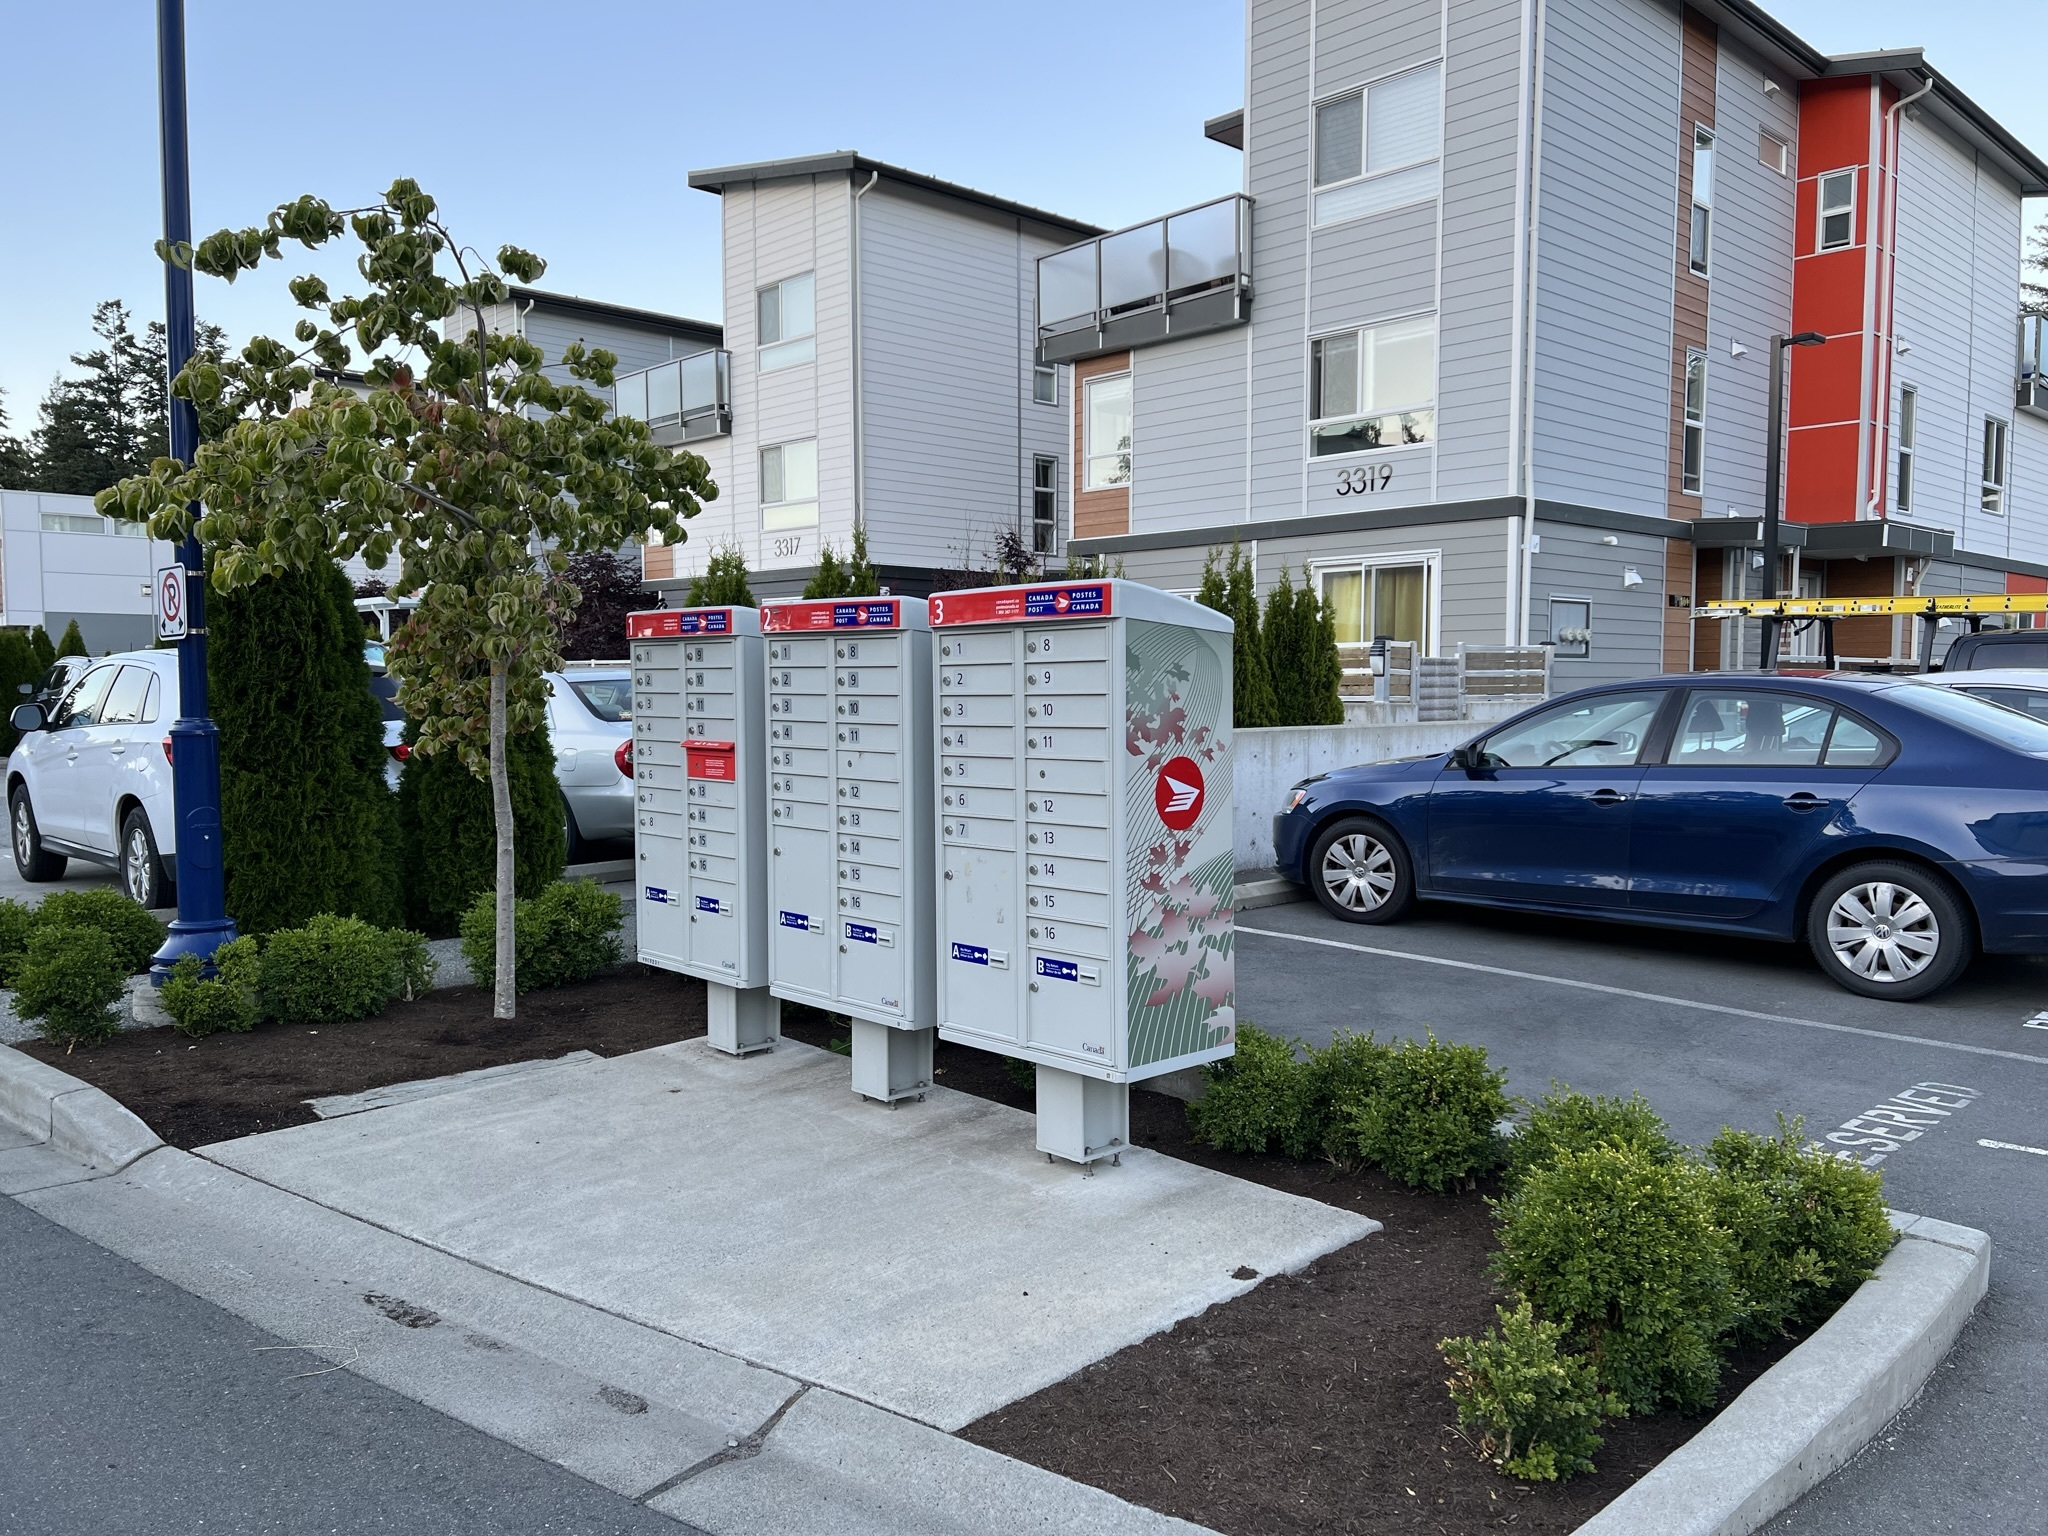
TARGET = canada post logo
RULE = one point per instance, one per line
(973, 954)
(1065, 602)
(879, 615)
(1178, 793)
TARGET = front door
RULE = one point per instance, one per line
(1751, 782)
(1542, 815)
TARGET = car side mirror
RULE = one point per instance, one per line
(27, 717)
(1466, 756)
(24, 687)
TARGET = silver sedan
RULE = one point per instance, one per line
(590, 718)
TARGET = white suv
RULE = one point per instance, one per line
(93, 780)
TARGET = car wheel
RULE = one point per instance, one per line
(142, 867)
(31, 859)
(1360, 872)
(1890, 930)
(570, 834)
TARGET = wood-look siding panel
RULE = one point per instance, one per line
(1699, 67)
(1608, 210)
(1188, 399)
(1100, 514)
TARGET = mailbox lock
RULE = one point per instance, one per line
(1034, 837)
(1032, 646)
(947, 710)
(1034, 933)
(1032, 711)
(1034, 900)
(949, 799)
(1034, 869)
(949, 874)
(1034, 986)
(842, 949)
(948, 769)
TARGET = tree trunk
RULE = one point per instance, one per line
(506, 1002)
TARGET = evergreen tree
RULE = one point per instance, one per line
(307, 822)
(73, 643)
(596, 630)
(862, 579)
(17, 461)
(1322, 693)
(113, 418)
(1214, 592)
(1251, 679)
(39, 642)
(1287, 654)
(829, 580)
(724, 582)
(2034, 286)
(18, 665)
(448, 840)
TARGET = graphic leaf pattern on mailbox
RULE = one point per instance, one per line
(1180, 967)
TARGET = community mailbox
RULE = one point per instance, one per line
(851, 821)
(700, 820)
(1084, 916)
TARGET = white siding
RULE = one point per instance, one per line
(1608, 214)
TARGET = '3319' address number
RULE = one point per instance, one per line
(1363, 479)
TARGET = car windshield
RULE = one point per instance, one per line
(1981, 716)
(608, 698)
(384, 688)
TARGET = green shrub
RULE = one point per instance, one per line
(569, 932)
(1431, 1119)
(412, 962)
(1345, 1072)
(127, 924)
(18, 664)
(72, 643)
(1534, 1405)
(204, 1005)
(1021, 1072)
(1808, 1227)
(1564, 1120)
(330, 970)
(1232, 587)
(449, 840)
(1254, 1100)
(724, 582)
(17, 922)
(1626, 1254)
(68, 983)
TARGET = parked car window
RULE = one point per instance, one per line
(1852, 744)
(125, 700)
(149, 705)
(1602, 732)
(2030, 701)
(608, 698)
(1980, 716)
(1753, 730)
(82, 705)
(384, 687)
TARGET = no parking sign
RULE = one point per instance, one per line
(170, 602)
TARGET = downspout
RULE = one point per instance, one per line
(860, 458)
(1888, 273)
(1518, 323)
(1529, 353)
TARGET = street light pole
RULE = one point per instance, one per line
(1774, 473)
(202, 924)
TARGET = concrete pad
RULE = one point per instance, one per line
(335, 1105)
(40, 1166)
(836, 1467)
(926, 1259)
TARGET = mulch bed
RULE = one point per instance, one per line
(191, 1092)
(1313, 1403)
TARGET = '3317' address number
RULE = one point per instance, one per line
(1364, 479)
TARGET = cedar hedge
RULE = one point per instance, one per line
(450, 841)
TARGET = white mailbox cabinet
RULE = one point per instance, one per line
(700, 842)
(850, 818)
(1085, 841)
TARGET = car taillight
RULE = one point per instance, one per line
(624, 757)
(167, 749)
(401, 750)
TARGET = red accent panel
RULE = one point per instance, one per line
(2014, 582)
(1827, 294)
(1834, 125)
(1010, 605)
(662, 623)
(864, 613)
(1826, 383)
(711, 760)
(1820, 474)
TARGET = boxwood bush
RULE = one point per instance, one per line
(17, 922)
(1254, 1099)
(67, 983)
(128, 925)
(1533, 1404)
(1347, 1071)
(1564, 1120)
(331, 970)
(569, 932)
(1431, 1118)
(227, 1000)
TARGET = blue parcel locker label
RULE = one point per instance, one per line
(973, 954)
(657, 893)
(864, 932)
(708, 904)
(797, 920)
(1059, 970)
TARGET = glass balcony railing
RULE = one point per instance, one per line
(682, 401)
(2033, 365)
(1175, 276)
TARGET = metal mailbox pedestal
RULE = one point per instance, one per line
(1084, 917)
(699, 825)
(850, 817)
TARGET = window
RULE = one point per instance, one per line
(1571, 628)
(1693, 453)
(1837, 210)
(608, 698)
(1045, 385)
(1107, 424)
(1369, 600)
(82, 705)
(1751, 730)
(1377, 148)
(789, 485)
(129, 530)
(1373, 388)
(2022, 733)
(73, 522)
(149, 704)
(125, 700)
(1993, 499)
(1702, 197)
(1605, 731)
(2028, 701)
(788, 322)
(1909, 417)
(1774, 153)
(1045, 504)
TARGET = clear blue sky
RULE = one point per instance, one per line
(571, 129)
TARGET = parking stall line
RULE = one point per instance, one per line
(2011, 1146)
(1649, 997)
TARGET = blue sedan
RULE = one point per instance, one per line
(1896, 827)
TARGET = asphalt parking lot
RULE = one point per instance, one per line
(1725, 1032)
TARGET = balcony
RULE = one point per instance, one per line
(2033, 365)
(1182, 275)
(683, 401)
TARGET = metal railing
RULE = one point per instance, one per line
(1174, 276)
(683, 400)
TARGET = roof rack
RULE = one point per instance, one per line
(1777, 612)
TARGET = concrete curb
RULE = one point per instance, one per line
(1822, 1403)
(70, 1117)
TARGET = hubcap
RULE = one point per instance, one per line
(1883, 932)
(23, 843)
(1359, 872)
(138, 867)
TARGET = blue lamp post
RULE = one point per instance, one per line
(203, 924)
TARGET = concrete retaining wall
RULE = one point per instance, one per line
(1267, 763)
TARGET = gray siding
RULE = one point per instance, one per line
(1374, 267)
(1749, 294)
(1608, 231)
(1628, 622)
(1188, 433)
(635, 347)
(1359, 41)
(1475, 356)
(1277, 171)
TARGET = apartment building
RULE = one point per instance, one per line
(1483, 344)
(876, 367)
(62, 561)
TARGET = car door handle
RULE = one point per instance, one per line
(1607, 797)
(117, 749)
(1805, 800)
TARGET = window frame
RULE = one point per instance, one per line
(1367, 566)
(1049, 374)
(1700, 254)
(1128, 453)
(1045, 467)
(1362, 93)
(1646, 753)
(1822, 213)
(1887, 743)
(1781, 162)
(1904, 432)
(1358, 333)
(1692, 447)
(786, 350)
(1995, 467)
(65, 715)
(787, 513)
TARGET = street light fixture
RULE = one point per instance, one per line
(1774, 471)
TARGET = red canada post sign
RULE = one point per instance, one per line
(1178, 793)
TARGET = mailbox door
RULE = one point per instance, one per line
(982, 953)
(800, 918)
(710, 715)
(661, 875)
(868, 676)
